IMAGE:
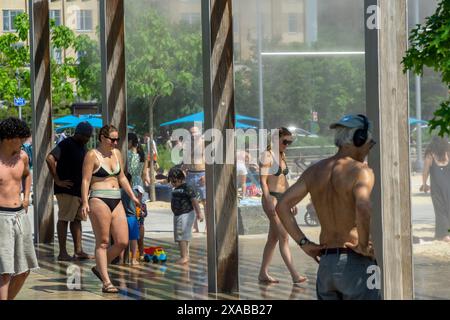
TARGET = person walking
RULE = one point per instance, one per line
(273, 176)
(437, 167)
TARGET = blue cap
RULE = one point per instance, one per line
(351, 121)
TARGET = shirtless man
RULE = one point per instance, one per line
(195, 168)
(17, 255)
(340, 188)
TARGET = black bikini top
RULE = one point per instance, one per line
(280, 171)
(102, 172)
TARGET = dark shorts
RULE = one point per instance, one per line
(347, 276)
(133, 228)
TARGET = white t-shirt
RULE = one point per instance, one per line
(241, 169)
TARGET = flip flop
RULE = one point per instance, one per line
(97, 274)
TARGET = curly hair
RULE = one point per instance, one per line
(176, 174)
(106, 130)
(12, 128)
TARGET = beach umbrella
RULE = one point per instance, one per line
(414, 121)
(200, 117)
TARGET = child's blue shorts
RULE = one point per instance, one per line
(133, 228)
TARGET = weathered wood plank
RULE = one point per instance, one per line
(112, 44)
(221, 204)
(42, 120)
(387, 106)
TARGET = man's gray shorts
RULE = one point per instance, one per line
(182, 226)
(347, 276)
(17, 253)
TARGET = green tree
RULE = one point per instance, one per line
(88, 71)
(66, 77)
(430, 47)
(157, 62)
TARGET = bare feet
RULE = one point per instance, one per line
(299, 280)
(267, 279)
(182, 261)
(135, 263)
(64, 257)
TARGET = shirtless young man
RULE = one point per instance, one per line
(340, 188)
(17, 255)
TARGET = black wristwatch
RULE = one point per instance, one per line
(303, 241)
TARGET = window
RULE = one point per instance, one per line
(84, 20)
(8, 19)
(293, 23)
(56, 15)
(190, 18)
(57, 55)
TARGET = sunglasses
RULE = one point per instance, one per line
(287, 142)
(113, 139)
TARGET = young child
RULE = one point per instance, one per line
(183, 205)
(141, 214)
(133, 225)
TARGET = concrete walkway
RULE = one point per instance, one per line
(170, 281)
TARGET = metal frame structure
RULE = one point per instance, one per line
(387, 106)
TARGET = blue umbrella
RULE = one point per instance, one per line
(199, 117)
(241, 125)
(65, 120)
(414, 121)
(97, 123)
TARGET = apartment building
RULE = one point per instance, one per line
(281, 20)
(82, 16)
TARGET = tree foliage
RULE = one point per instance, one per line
(160, 61)
(66, 76)
(430, 47)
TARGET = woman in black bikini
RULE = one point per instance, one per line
(274, 183)
(103, 176)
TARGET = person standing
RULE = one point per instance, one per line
(185, 208)
(274, 183)
(136, 164)
(196, 166)
(65, 163)
(103, 177)
(437, 167)
(340, 188)
(17, 255)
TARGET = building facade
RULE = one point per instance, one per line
(82, 16)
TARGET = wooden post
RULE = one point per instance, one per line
(112, 44)
(42, 120)
(221, 193)
(387, 107)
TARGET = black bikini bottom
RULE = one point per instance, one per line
(277, 195)
(111, 203)
(111, 197)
